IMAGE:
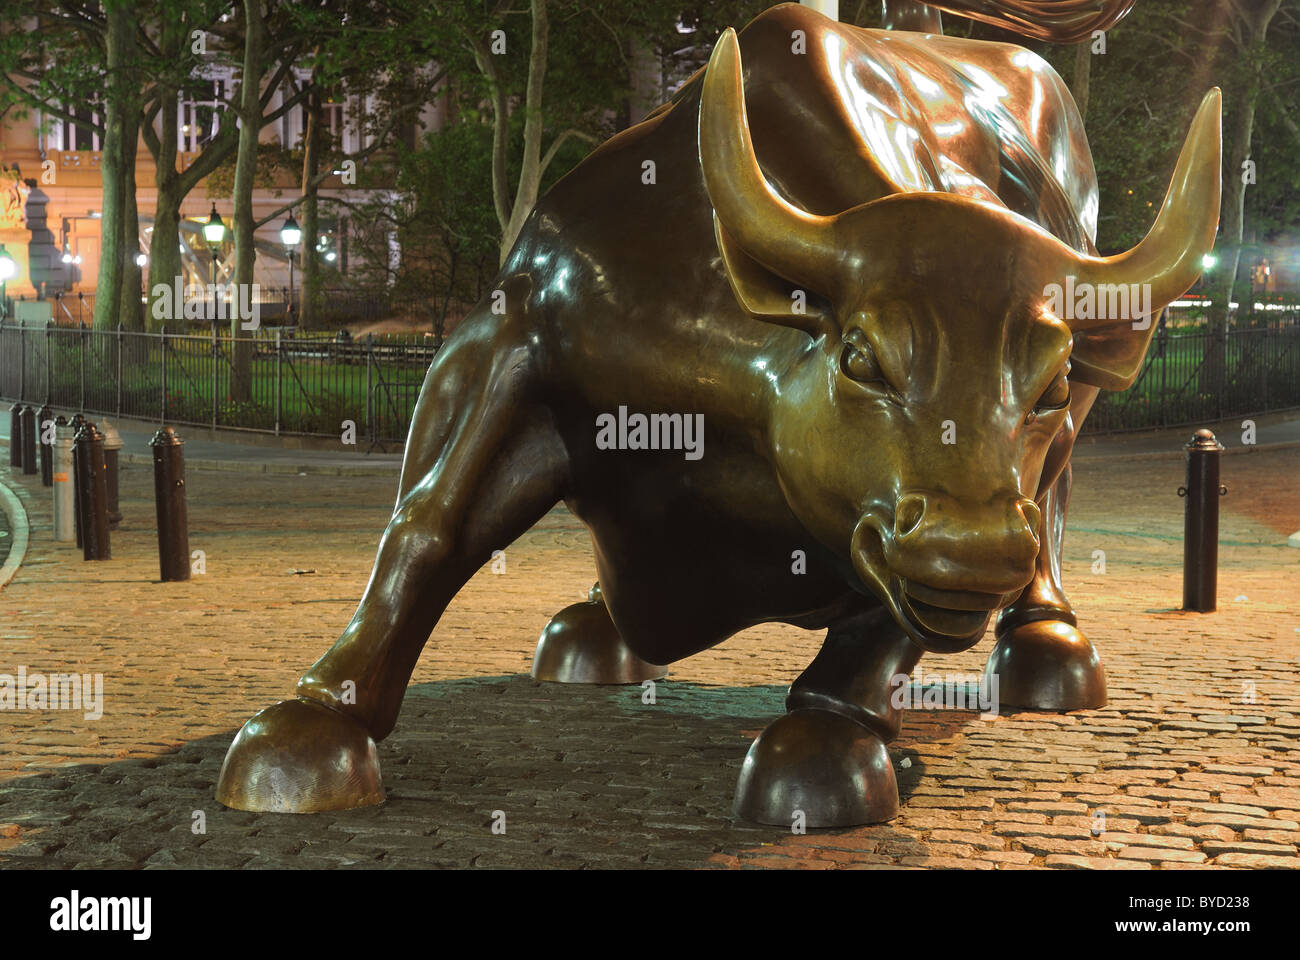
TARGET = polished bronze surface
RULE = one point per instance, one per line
(300, 757)
(814, 768)
(582, 645)
(1047, 665)
(846, 270)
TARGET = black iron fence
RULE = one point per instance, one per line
(1193, 375)
(281, 382)
(290, 382)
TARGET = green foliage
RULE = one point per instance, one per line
(442, 219)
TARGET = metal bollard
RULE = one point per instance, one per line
(78, 421)
(1201, 522)
(112, 444)
(44, 420)
(169, 498)
(16, 434)
(65, 520)
(28, 424)
(94, 498)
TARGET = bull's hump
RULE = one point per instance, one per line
(893, 112)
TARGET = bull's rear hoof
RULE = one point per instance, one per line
(832, 769)
(300, 756)
(1047, 665)
(582, 645)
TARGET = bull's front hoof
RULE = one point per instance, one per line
(832, 769)
(300, 756)
(582, 645)
(1047, 665)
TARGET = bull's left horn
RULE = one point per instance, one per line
(1169, 256)
(788, 241)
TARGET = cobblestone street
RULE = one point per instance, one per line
(1195, 763)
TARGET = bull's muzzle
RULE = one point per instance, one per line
(943, 566)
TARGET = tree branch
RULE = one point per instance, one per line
(556, 143)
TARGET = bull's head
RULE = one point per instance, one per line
(911, 429)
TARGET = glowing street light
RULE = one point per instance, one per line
(290, 236)
(214, 231)
(290, 233)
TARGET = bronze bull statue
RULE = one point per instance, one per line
(843, 271)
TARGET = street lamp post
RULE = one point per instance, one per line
(8, 269)
(290, 235)
(214, 232)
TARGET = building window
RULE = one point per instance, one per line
(332, 120)
(67, 135)
(198, 118)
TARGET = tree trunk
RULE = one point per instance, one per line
(310, 261)
(250, 116)
(130, 315)
(164, 242)
(1082, 79)
(530, 176)
(1240, 110)
(118, 102)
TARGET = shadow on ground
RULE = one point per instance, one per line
(584, 776)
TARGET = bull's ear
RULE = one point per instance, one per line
(765, 296)
(1111, 357)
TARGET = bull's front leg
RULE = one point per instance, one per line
(1042, 660)
(826, 758)
(483, 464)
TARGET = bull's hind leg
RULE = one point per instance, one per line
(483, 464)
(1041, 659)
(826, 758)
(582, 645)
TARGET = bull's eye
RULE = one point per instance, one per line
(858, 360)
(1055, 397)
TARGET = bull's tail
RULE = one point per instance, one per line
(1060, 21)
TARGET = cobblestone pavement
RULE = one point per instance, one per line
(1188, 767)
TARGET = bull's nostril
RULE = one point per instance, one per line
(1029, 510)
(908, 514)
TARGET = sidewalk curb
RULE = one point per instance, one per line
(20, 531)
(1078, 456)
(370, 469)
(387, 468)
(287, 469)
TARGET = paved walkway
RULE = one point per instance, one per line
(1195, 762)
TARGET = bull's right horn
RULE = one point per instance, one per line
(1169, 257)
(793, 243)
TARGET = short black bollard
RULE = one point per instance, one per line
(1201, 522)
(89, 447)
(169, 498)
(46, 416)
(28, 424)
(16, 434)
(112, 444)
